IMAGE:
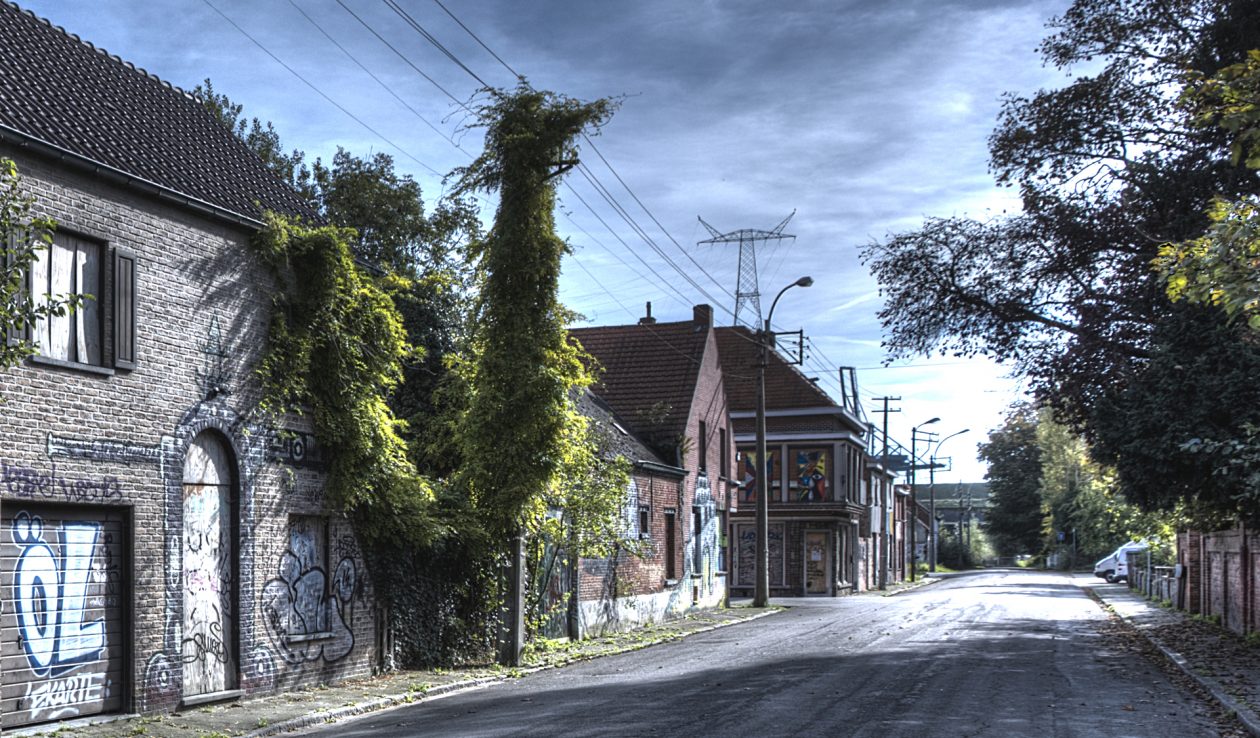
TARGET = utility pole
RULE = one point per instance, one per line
(885, 503)
(747, 292)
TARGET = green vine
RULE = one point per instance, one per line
(524, 370)
(336, 349)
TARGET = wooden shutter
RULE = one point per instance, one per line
(124, 310)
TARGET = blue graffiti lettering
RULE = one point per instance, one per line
(50, 596)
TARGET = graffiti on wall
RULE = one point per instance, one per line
(308, 613)
(104, 450)
(205, 649)
(61, 576)
(28, 483)
(746, 555)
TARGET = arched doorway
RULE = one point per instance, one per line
(208, 645)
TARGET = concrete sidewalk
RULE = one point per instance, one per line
(1220, 661)
(282, 713)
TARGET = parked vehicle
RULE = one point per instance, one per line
(1115, 568)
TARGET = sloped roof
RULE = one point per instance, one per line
(615, 432)
(64, 93)
(786, 387)
(648, 372)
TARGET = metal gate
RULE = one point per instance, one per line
(63, 646)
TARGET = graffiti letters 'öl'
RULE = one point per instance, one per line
(50, 593)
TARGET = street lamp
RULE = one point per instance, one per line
(761, 590)
(914, 498)
(932, 497)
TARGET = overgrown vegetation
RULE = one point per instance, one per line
(1080, 515)
(1109, 167)
(437, 371)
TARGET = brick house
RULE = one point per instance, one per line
(817, 469)
(878, 543)
(663, 386)
(160, 544)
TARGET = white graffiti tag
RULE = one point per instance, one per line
(62, 697)
(50, 593)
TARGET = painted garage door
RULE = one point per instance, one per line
(63, 585)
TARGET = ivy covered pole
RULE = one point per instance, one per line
(523, 367)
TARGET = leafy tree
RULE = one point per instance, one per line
(22, 237)
(1013, 521)
(1219, 267)
(1108, 168)
(1081, 501)
(523, 370)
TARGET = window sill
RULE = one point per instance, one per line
(201, 699)
(308, 637)
(73, 365)
(671, 582)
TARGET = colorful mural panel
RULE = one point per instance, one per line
(810, 482)
(748, 474)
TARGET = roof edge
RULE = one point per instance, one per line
(655, 466)
(129, 181)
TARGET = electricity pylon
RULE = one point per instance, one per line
(747, 292)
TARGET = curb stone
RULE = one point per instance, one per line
(925, 581)
(388, 702)
(1244, 713)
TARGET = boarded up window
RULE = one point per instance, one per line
(70, 266)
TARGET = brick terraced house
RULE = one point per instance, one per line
(663, 384)
(160, 544)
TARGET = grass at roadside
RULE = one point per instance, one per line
(560, 651)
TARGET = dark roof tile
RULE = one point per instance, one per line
(648, 372)
(786, 387)
(62, 91)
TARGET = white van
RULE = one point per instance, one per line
(1115, 568)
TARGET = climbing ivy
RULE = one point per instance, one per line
(336, 348)
(523, 370)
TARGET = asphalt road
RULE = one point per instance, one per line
(1007, 653)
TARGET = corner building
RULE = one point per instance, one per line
(162, 544)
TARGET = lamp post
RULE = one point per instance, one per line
(761, 589)
(932, 497)
(914, 498)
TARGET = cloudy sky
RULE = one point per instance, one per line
(863, 116)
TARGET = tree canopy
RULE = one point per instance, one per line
(1013, 520)
(1108, 167)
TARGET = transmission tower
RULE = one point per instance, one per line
(747, 293)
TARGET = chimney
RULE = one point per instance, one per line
(703, 317)
(647, 319)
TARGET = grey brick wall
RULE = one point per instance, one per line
(75, 438)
